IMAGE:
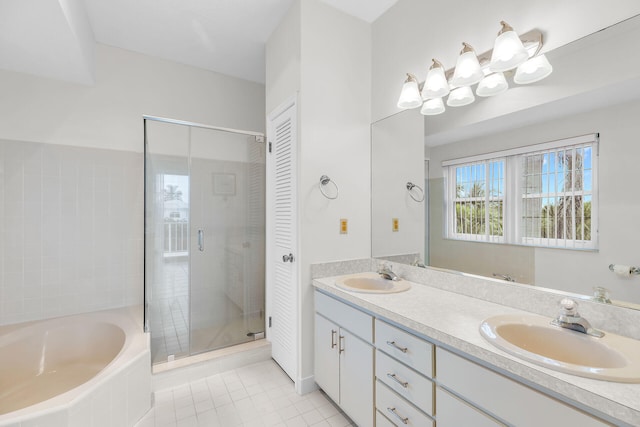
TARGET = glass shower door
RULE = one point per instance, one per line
(204, 238)
(227, 238)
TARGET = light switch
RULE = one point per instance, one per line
(394, 224)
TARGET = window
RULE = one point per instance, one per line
(543, 195)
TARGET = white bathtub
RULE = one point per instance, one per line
(83, 370)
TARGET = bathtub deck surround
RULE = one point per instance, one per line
(115, 393)
(437, 308)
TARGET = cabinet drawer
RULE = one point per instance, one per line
(398, 410)
(405, 381)
(381, 421)
(510, 401)
(351, 319)
(453, 412)
(409, 349)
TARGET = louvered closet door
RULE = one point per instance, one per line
(282, 284)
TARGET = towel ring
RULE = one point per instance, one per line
(411, 186)
(325, 180)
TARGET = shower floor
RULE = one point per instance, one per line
(169, 319)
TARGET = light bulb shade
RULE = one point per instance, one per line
(468, 71)
(460, 96)
(410, 94)
(431, 107)
(436, 85)
(535, 69)
(508, 52)
(491, 85)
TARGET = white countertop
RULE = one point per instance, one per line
(453, 320)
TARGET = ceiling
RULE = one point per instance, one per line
(55, 38)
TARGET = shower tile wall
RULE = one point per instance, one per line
(72, 230)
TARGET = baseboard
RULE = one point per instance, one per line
(306, 385)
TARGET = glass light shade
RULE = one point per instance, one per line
(436, 85)
(410, 95)
(431, 107)
(468, 71)
(508, 52)
(460, 96)
(491, 85)
(535, 69)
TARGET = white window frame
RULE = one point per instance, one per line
(512, 205)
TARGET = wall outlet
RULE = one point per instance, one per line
(394, 224)
(343, 226)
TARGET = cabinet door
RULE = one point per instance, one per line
(327, 363)
(356, 378)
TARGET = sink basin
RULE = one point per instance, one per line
(371, 283)
(533, 338)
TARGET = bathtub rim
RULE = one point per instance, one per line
(136, 346)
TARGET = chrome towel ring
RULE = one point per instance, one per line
(410, 187)
(324, 181)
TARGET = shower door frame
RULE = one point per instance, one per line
(260, 138)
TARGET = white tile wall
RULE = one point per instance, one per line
(71, 230)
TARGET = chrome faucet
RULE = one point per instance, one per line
(386, 273)
(505, 277)
(570, 319)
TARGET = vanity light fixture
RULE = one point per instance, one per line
(460, 97)
(432, 107)
(513, 56)
(492, 85)
(410, 95)
(436, 84)
(468, 71)
(535, 69)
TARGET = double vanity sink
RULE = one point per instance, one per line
(535, 339)
(372, 283)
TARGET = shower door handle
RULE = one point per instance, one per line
(201, 239)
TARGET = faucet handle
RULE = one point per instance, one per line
(569, 307)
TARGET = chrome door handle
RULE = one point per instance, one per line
(287, 258)
(333, 338)
(399, 381)
(405, 420)
(340, 344)
(393, 344)
(201, 240)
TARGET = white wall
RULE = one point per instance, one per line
(80, 149)
(128, 85)
(333, 79)
(414, 31)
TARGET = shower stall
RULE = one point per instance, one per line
(204, 237)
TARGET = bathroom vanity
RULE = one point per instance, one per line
(417, 358)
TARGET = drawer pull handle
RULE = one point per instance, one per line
(399, 381)
(405, 420)
(393, 344)
(333, 338)
(341, 346)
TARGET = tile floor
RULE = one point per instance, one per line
(255, 395)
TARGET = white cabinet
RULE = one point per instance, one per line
(404, 367)
(454, 412)
(503, 397)
(344, 357)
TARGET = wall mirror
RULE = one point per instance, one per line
(595, 88)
